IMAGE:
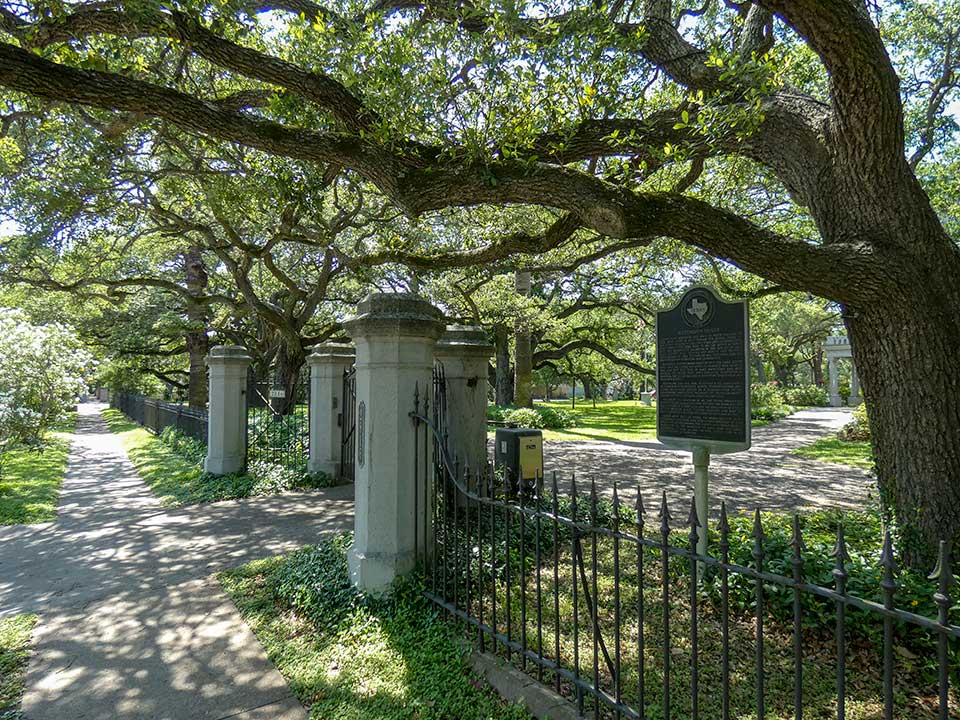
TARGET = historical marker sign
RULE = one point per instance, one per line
(703, 377)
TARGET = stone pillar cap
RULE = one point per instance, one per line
(331, 352)
(463, 339)
(395, 314)
(228, 353)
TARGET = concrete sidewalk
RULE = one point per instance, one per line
(131, 623)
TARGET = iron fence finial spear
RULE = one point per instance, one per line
(616, 507)
(724, 527)
(694, 522)
(641, 510)
(889, 564)
(943, 571)
(796, 537)
(841, 555)
(664, 514)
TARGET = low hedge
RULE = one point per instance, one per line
(539, 416)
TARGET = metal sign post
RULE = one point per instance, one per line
(703, 384)
(701, 494)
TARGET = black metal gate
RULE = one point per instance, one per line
(278, 420)
(586, 594)
(348, 427)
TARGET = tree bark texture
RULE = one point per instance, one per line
(817, 364)
(288, 363)
(906, 353)
(197, 341)
(523, 350)
(504, 383)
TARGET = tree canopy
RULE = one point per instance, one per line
(806, 142)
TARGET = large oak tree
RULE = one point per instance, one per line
(576, 105)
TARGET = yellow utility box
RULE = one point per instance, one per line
(519, 453)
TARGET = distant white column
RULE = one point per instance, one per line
(835, 399)
(395, 334)
(327, 362)
(465, 354)
(227, 418)
(855, 398)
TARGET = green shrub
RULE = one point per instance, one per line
(262, 477)
(555, 418)
(315, 581)
(807, 396)
(858, 428)
(524, 417)
(767, 403)
(539, 416)
(495, 412)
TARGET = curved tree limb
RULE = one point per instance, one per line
(542, 357)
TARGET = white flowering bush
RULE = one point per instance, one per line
(42, 370)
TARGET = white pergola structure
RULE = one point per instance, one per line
(838, 348)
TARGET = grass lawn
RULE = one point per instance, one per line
(350, 659)
(845, 452)
(30, 481)
(610, 420)
(14, 653)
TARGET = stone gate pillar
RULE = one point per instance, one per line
(327, 364)
(227, 417)
(465, 354)
(855, 398)
(834, 372)
(395, 334)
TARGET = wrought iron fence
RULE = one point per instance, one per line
(155, 415)
(278, 420)
(627, 620)
(347, 420)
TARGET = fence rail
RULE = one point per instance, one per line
(587, 596)
(155, 415)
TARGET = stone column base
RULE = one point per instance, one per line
(327, 467)
(374, 573)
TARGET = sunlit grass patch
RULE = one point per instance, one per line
(30, 480)
(613, 420)
(174, 479)
(844, 452)
(14, 653)
(618, 420)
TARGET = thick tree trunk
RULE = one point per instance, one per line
(523, 351)
(197, 341)
(504, 383)
(783, 374)
(289, 361)
(761, 371)
(817, 364)
(906, 350)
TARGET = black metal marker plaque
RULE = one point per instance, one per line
(703, 377)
